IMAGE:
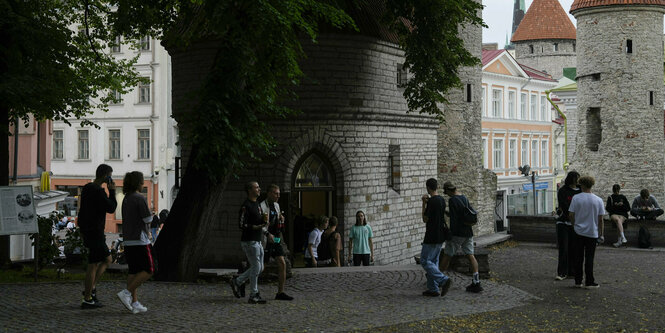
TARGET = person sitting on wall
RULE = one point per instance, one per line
(645, 206)
(618, 208)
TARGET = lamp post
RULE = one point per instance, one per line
(525, 171)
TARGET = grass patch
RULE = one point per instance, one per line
(26, 274)
(503, 245)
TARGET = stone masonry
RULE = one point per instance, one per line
(620, 98)
(544, 57)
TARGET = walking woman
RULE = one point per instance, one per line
(564, 229)
(136, 218)
(361, 248)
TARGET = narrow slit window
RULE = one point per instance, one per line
(650, 97)
(594, 129)
(530, 48)
(629, 46)
(468, 93)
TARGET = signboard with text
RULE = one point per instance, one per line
(17, 211)
(539, 186)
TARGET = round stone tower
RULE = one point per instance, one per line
(620, 94)
(545, 39)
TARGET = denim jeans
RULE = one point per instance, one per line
(564, 241)
(584, 249)
(429, 259)
(254, 252)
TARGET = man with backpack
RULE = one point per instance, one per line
(462, 233)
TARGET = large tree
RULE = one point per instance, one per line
(52, 66)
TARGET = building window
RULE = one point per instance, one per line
(650, 97)
(543, 154)
(497, 161)
(496, 103)
(401, 75)
(534, 153)
(556, 47)
(594, 129)
(482, 101)
(115, 45)
(525, 152)
(530, 48)
(629, 46)
(534, 107)
(114, 144)
(144, 144)
(512, 154)
(523, 114)
(574, 47)
(145, 43)
(544, 114)
(144, 92)
(468, 93)
(58, 145)
(394, 173)
(84, 145)
(117, 97)
(485, 163)
(511, 104)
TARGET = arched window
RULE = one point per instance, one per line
(313, 173)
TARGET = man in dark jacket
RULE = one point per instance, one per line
(95, 204)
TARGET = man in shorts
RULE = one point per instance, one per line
(274, 234)
(95, 204)
(462, 235)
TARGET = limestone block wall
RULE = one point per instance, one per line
(620, 136)
(352, 113)
(459, 142)
(544, 57)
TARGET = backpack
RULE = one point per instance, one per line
(469, 215)
(323, 250)
(644, 238)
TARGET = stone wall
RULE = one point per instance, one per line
(544, 58)
(460, 144)
(620, 136)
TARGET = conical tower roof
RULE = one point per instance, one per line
(580, 4)
(546, 19)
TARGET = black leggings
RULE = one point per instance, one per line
(358, 258)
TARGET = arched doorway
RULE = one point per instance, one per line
(312, 196)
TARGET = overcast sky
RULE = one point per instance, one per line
(498, 15)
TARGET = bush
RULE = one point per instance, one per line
(48, 247)
(74, 249)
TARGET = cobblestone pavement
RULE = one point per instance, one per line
(325, 301)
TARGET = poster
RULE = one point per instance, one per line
(17, 211)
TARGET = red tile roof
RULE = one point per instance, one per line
(489, 55)
(545, 19)
(579, 4)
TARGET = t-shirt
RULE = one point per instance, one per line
(360, 234)
(314, 239)
(436, 205)
(134, 213)
(94, 206)
(457, 205)
(250, 215)
(564, 197)
(587, 207)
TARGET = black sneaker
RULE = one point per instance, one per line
(592, 285)
(256, 299)
(283, 297)
(241, 289)
(474, 288)
(93, 295)
(90, 304)
(430, 293)
(235, 288)
(445, 287)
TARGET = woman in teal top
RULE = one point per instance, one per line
(360, 241)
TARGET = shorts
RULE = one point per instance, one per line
(453, 245)
(98, 251)
(274, 250)
(139, 258)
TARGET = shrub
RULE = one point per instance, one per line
(48, 247)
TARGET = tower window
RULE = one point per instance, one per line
(650, 97)
(468, 92)
(594, 129)
(530, 48)
(574, 47)
(595, 77)
(629, 46)
(556, 47)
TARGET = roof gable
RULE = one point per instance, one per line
(546, 19)
(501, 62)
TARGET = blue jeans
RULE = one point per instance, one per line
(153, 231)
(254, 252)
(429, 259)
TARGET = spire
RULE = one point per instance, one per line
(518, 14)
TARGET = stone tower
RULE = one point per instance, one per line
(459, 139)
(620, 94)
(545, 39)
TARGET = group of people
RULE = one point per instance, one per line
(580, 228)
(66, 222)
(98, 199)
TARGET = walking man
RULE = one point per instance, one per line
(274, 246)
(433, 208)
(252, 222)
(586, 213)
(462, 235)
(95, 203)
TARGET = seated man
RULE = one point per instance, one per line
(645, 206)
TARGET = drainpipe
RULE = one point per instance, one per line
(565, 130)
(152, 123)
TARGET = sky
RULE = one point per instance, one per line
(498, 15)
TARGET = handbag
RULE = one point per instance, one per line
(469, 215)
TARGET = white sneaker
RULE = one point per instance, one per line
(126, 298)
(138, 307)
(624, 240)
(617, 244)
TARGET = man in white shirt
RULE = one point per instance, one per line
(586, 213)
(313, 242)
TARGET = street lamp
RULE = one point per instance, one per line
(525, 171)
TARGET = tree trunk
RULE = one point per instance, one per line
(4, 174)
(182, 242)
